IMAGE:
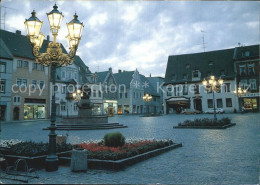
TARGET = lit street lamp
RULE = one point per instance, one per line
(77, 95)
(53, 57)
(213, 84)
(147, 98)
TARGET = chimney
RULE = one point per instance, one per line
(119, 70)
(110, 69)
(18, 32)
(48, 38)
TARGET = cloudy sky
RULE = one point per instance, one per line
(142, 34)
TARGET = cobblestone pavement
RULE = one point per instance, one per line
(228, 156)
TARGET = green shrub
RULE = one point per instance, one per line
(114, 139)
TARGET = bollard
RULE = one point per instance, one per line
(79, 160)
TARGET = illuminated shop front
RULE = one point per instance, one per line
(250, 104)
(97, 110)
(34, 109)
(110, 107)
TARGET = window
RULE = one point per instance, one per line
(2, 86)
(187, 66)
(219, 103)
(154, 98)
(242, 69)
(94, 93)
(246, 54)
(196, 89)
(184, 76)
(125, 95)
(227, 87)
(222, 72)
(210, 103)
(34, 84)
(63, 74)
(228, 102)
(24, 82)
(16, 99)
(63, 106)
(120, 95)
(75, 106)
(75, 76)
(195, 74)
(25, 64)
(41, 67)
(251, 69)
(19, 63)
(99, 93)
(134, 94)
(35, 66)
(2, 68)
(173, 77)
(41, 83)
(243, 84)
(211, 63)
(63, 89)
(69, 75)
(185, 89)
(252, 83)
(169, 91)
(18, 82)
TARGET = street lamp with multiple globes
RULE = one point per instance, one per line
(212, 84)
(147, 98)
(77, 95)
(53, 57)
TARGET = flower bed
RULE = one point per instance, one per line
(99, 151)
(206, 123)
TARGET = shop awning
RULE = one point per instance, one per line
(178, 101)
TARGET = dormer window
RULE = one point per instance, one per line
(211, 63)
(173, 77)
(195, 74)
(246, 54)
(184, 76)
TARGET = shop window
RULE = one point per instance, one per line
(126, 109)
(219, 103)
(210, 103)
(25, 64)
(2, 86)
(2, 68)
(19, 63)
(228, 102)
(34, 111)
(252, 83)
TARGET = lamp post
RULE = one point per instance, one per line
(147, 98)
(239, 92)
(53, 57)
(213, 85)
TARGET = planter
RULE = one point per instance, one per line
(120, 164)
(206, 127)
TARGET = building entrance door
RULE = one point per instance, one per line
(197, 104)
(16, 113)
(110, 111)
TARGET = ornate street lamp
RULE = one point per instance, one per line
(77, 95)
(147, 98)
(53, 57)
(212, 84)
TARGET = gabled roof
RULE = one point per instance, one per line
(178, 65)
(4, 51)
(102, 76)
(148, 88)
(124, 77)
(20, 46)
(239, 53)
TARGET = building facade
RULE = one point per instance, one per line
(6, 62)
(246, 63)
(183, 81)
(30, 81)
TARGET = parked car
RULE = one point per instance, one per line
(211, 111)
(190, 111)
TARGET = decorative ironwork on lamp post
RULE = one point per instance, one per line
(53, 57)
(212, 84)
(147, 98)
